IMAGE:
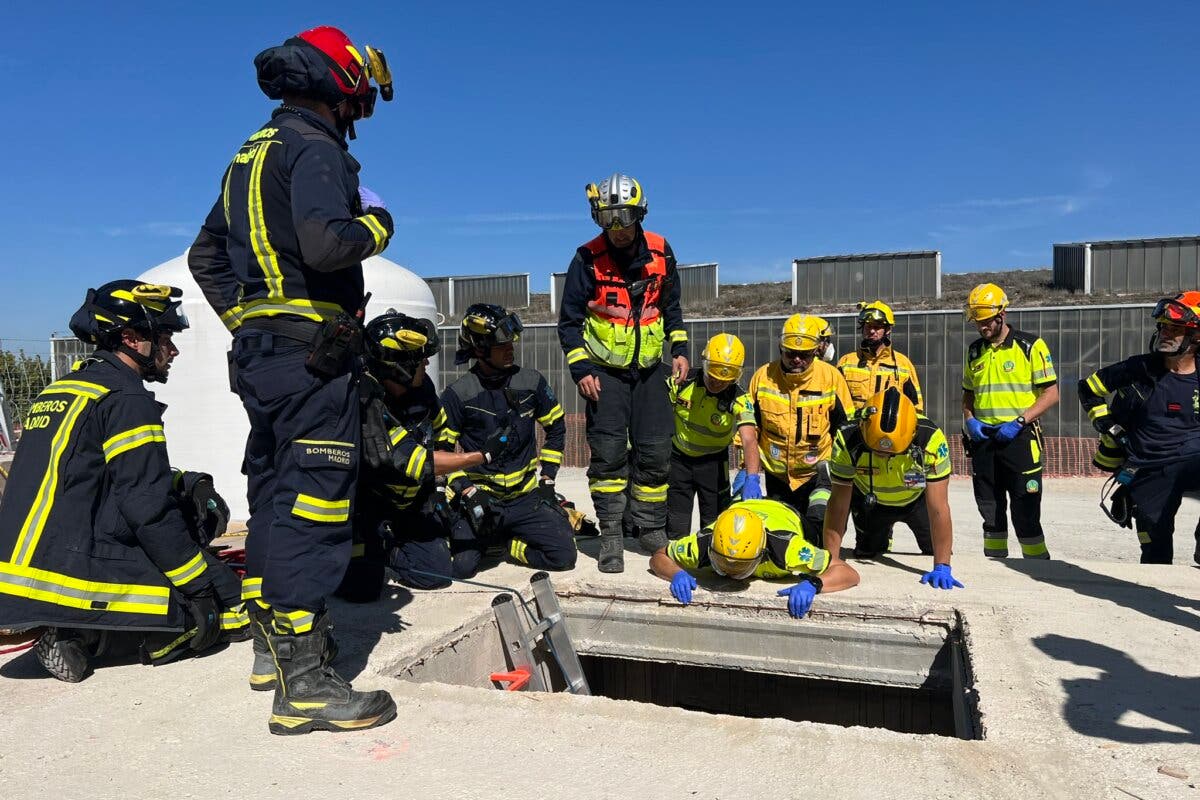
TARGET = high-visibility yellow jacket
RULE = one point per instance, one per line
(868, 373)
(1006, 377)
(787, 552)
(705, 423)
(797, 417)
(895, 480)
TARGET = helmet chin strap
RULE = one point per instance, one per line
(148, 365)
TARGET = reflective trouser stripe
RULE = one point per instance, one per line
(294, 621)
(234, 618)
(251, 588)
(995, 544)
(1144, 537)
(516, 549)
(1034, 548)
(607, 485)
(650, 494)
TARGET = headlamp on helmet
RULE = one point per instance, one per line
(617, 202)
(397, 345)
(739, 539)
(485, 326)
(724, 358)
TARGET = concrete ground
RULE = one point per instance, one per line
(1085, 667)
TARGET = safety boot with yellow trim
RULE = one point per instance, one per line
(311, 696)
(262, 673)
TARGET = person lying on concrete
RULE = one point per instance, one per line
(1150, 430)
(755, 538)
(93, 518)
(513, 505)
(710, 408)
(892, 465)
(403, 520)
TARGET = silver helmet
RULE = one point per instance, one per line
(618, 201)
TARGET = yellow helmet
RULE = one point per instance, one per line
(738, 541)
(724, 357)
(802, 332)
(875, 311)
(888, 422)
(985, 301)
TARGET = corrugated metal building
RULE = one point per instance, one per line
(850, 278)
(1166, 265)
(455, 293)
(1081, 339)
(697, 282)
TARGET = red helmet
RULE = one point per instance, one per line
(324, 64)
(1183, 309)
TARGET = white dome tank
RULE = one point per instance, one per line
(205, 423)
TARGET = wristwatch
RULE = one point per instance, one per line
(1021, 419)
(814, 580)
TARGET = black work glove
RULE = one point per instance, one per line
(376, 443)
(226, 585)
(212, 512)
(1105, 424)
(206, 617)
(498, 444)
(547, 492)
(476, 508)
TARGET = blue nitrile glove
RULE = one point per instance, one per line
(739, 481)
(753, 488)
(370, 199)
(799, 597)
(1008, 431)
(940, 578)
(682, 585)
(976, 430)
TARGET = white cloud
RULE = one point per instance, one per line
(173, 229)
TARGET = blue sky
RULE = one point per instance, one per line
(761, 131)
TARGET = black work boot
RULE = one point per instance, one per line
(66, 653)
(262, 673)
(653, 540)
(310, 696)
(612, 548)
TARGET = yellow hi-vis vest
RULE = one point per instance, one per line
(619, 328)
(705, 423)
(1006, 378)
(796, 418)
(895, 480)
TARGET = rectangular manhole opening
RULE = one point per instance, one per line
(902, 672)
(760, 695)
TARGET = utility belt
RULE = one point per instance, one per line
(331, 344)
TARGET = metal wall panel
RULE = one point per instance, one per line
(850, 278)
(558, 282)
(1142, 265)
(698, 282)
(1071, 268)
(1081, 339)
(455, 293)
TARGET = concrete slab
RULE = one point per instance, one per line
(1085, 669)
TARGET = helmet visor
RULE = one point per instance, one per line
(736, 568)
(721, 372)
(1173, 312)
(618, 217)
(508, 329)
(869, 315)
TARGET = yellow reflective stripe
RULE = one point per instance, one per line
(294, 621)
(548, 456)
(448, 435)
(607, 485)
(1034, 548)
(378, 232)
(194, 568)
(508, 493)
(516, 549)
(774, 394)
(232, 318)
(63, 590)
(416, 463)
(453, 476)
(822, 399)
(358, 550)
(551, 416)
(333, 442)
(225, 195)
(678, 336)
(650, 494)
(1097, 411)
(43, 501)
(268, 259)
(396, 434)
(577, 355)
(503, 479)
(251, 588)
(1144, 537)
(405, 490)
(1096, 385)
(134, 437)
(92, 391)
(320, 510)
(315, 310)
(235, 618)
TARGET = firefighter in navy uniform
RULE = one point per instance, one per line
(279, 259)
(498, 397)
(1150, 431)
(92, 532)
(1008, 383)
(620, 309)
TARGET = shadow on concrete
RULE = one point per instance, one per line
(1094, 706)
(124, 652)
(1149, 600)
(891, 562)
(358, 627)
